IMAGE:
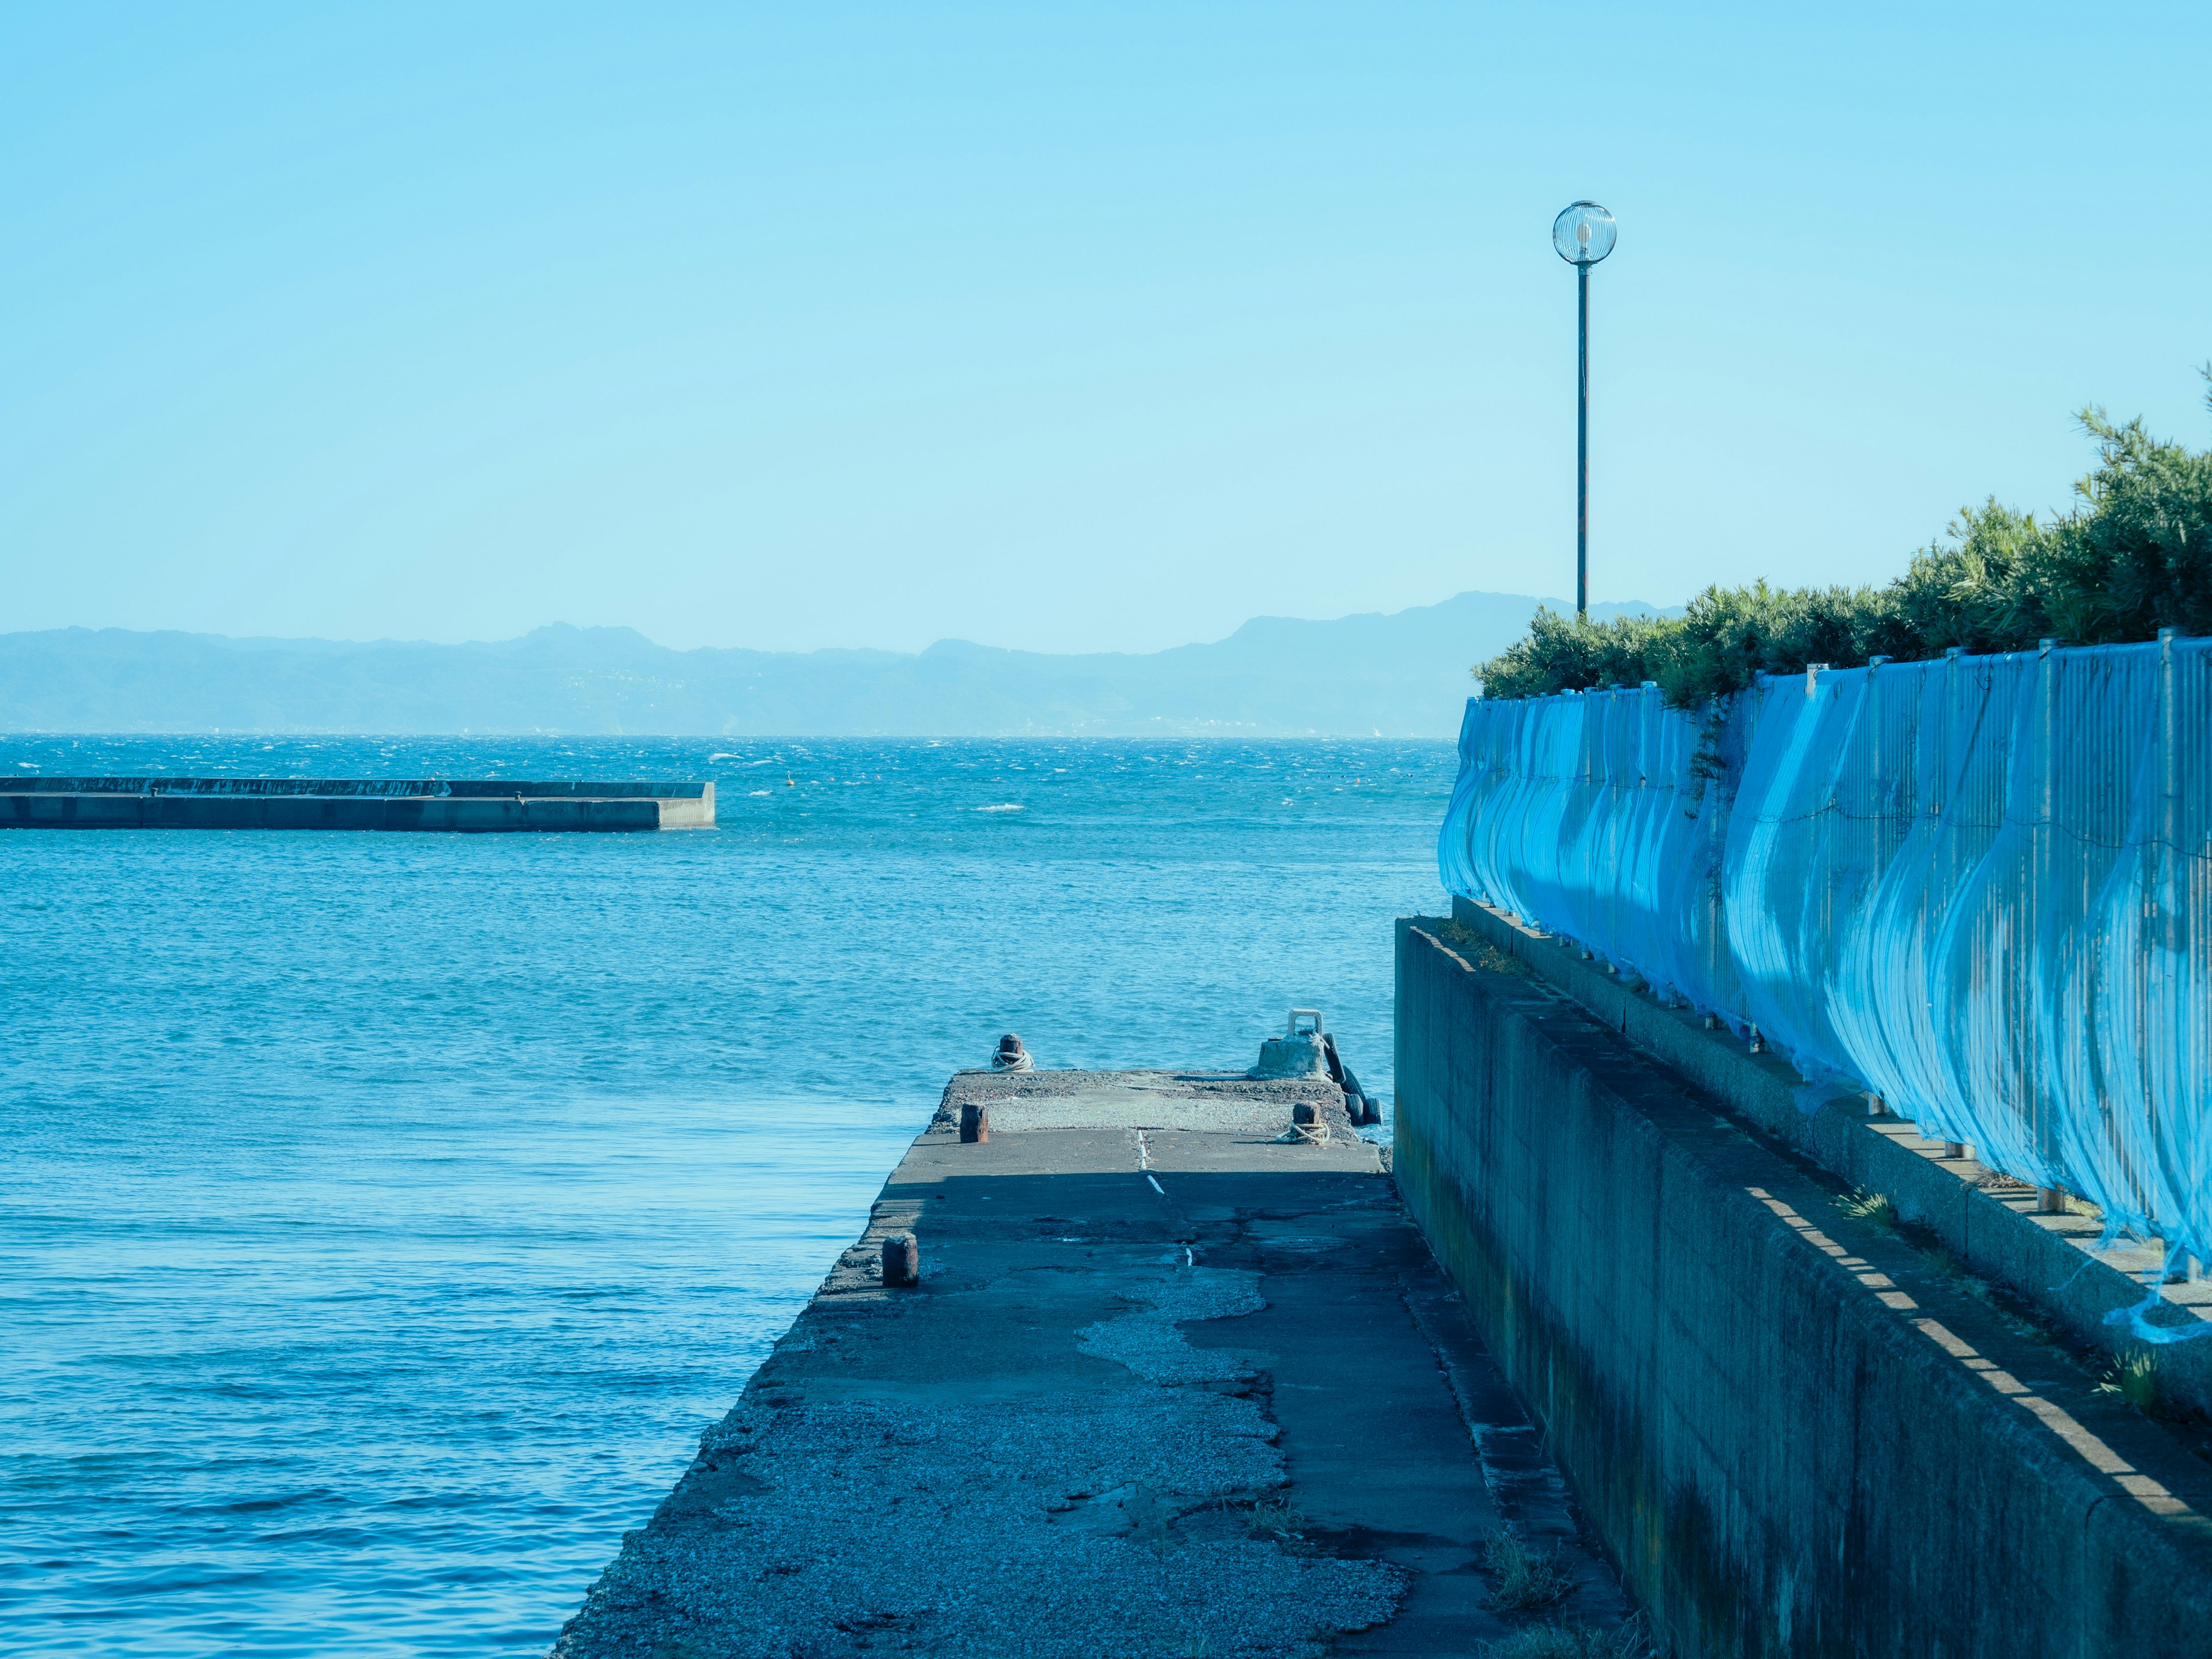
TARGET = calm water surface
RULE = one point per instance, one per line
(382, 1217)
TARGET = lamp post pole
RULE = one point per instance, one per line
(1582, 442)
(1583, 234)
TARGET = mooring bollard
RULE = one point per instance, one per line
(902, 1260)
(2051, 1200)
(1304, 1114)
(975, 1122)
(1958, 1150)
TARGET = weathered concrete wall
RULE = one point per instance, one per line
(1798, 1433)
(2056, 1262)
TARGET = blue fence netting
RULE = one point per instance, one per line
(1976, 886)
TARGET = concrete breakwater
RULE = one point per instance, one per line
(1803, 1424)
(464, 805)
(1176, 1376)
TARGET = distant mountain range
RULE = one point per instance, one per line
(1404, 675)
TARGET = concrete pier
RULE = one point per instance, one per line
(464, 805)
(1175, 1378)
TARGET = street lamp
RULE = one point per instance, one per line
(1583, 234)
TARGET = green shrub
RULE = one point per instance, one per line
(2134, 555)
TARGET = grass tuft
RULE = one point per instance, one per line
(1863, 1205)
(1522, 1579)
(1282, 1523)
(2135, 1379)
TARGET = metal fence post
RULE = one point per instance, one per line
(2050, 1147)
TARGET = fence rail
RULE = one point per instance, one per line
(1980, 887)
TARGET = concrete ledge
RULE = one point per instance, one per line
(2052, 1261)
(1798, 1434)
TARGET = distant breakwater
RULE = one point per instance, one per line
(476, 806)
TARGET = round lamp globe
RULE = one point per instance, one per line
(1584, 234)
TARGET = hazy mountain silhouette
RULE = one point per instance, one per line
(1404, 675)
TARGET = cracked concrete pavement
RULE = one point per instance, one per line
(1169, 1385)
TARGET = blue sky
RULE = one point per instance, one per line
(1064, 325)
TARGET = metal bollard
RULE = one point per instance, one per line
(2051, 1200)
(902, 1260)
(1304, 1114)
(1957, 1150)
(975, 1122)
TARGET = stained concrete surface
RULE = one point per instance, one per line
(2062, 1265)
(1163, 1389)
(1802, 1430)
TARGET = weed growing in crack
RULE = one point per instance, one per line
(1279, 1521)
(2135, 1379)
(1863, 1205)
(1277, 1518)
(1522, 1579)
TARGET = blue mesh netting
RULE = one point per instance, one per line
(1978, 886)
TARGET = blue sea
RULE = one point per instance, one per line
(383, 1216)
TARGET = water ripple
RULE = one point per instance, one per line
(382, 1217)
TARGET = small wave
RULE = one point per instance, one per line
(757, 795)
(1003, 806)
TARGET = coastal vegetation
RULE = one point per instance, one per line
(2132, 555)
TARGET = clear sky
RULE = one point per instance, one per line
(1066, 325)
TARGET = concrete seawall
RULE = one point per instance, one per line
(1801, 1431)
(464, 805)
(2058, 1263)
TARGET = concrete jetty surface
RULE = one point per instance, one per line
(1169, 1383)
(464, 805)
